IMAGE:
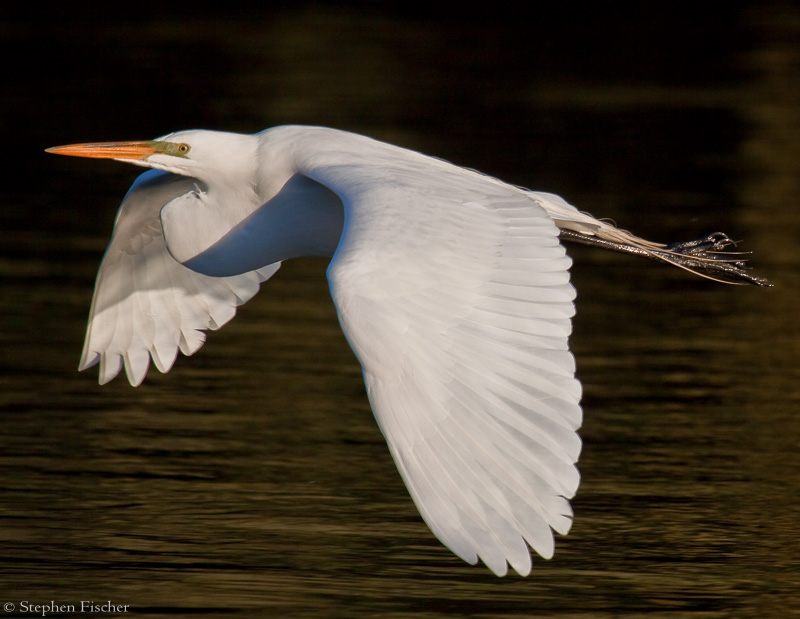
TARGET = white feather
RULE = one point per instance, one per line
(146, 304)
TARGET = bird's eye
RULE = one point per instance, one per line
(175, 149)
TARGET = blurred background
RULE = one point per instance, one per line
(252, 480)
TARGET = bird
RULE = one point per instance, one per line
(451, 287)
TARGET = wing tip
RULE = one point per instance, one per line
(88, 360)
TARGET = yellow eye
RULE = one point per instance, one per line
(175, 149)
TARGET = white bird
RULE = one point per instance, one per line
(452, 289)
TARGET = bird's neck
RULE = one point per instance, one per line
(303, 218)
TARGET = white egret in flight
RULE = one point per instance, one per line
(452, 289)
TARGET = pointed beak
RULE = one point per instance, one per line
(108, 150)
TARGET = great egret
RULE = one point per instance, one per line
(451, 287)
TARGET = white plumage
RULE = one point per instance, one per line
(451, 287)
(145, 303)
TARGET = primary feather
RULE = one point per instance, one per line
(146, 304)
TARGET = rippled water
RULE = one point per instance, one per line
(252, 480)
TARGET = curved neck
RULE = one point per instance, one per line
(304, 218)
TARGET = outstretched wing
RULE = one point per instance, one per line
(453, 291)
(145, 303)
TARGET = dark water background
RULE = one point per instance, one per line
(252, 481)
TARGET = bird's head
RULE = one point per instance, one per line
(197, 153)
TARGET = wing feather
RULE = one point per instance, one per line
(453, 290)
(146, 305)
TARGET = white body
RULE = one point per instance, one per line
(451, 287)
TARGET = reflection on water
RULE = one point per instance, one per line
(253, 480)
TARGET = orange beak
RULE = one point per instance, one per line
(108, 150)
